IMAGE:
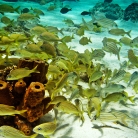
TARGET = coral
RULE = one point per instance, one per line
(23, 125)
(108, 1)
(112, 11)
(27, 93)
(130, 12)
(34, 94)
(5, 96)
(42, 67)
(35, 113)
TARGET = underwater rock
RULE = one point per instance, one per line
(131, 12)
(11, 0)
(112, 11)
(34, 94)
(5, 96)
(109, 1)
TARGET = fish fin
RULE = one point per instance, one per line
(128, 33)
(46, 136)
(34, 136)
(131, 98)
(61, 31)
(31, 38)
(35, 69)
(2, 13)
(16, 9)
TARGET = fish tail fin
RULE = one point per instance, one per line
(61, 31)
(31, 8)
(34, 136)
(22, 111)
(128, 33)
(31, 38)
(17, 9)
(35, 69)
(90, 40)
(93, 18)
(118, 56)
(62, 40)
(81, 116)
(131, 98)
(120, 43)
(37, 16)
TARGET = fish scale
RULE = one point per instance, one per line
(132, 58)
(10, 132)
(105, 22)
(112, 47)
(118, 76)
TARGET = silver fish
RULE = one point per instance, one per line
(133, 77)
(111, 47)
(118, 76)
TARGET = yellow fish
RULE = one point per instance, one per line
(10, 132)
(97, 105)
(48, 36)
(9, 110)
(118, 31)
(118, 96)
(69, 108)
(46, 129)
(126, 41)
(84, 41)
(132, 57)
(106, 39)
(6, 20)
(56, 100)
(62, 82)
(34, 48)
(21, 73)
(48, 48)
(37, 30)
(135, 41)
(7, 8)
(27, 16)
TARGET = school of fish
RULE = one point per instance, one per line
(68, 67)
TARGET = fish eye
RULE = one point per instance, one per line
(39, 128)
(9, 76)
(57, 105)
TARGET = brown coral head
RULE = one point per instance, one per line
(5, 97)
(34, 94)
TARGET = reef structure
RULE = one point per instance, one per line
(27, 93)
(111, 10)
(131, 12)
